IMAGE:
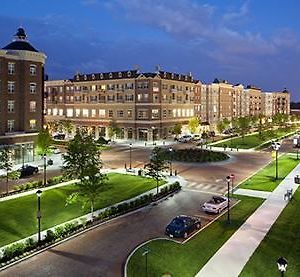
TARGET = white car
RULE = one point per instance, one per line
(56, 151)
(215, 205)
(185, 138)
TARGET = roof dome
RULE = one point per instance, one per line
(20, 42)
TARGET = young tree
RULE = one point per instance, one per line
(43, 142)
(68, 126)
(156, 166)
(243, 125)
(114, 130)
(220, 127)
(176, 130)
(7, 164)
(226, 123)
(83, 161)
(193, 124)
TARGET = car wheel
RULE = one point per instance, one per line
(198, 226)
(185, 235)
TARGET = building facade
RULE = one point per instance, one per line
(146, 106)
(21, 93)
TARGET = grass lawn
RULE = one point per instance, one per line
(186, 260)
(282, 240)
(265, 178)
(18, 216)
(251, 141)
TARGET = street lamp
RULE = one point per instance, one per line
(145, 253)
(130, 148)
(23, 158)
(45, 168)
(39, 193)
(228, 179)
(276, 146)
(153, 128)
(282, 265)
(171, 152)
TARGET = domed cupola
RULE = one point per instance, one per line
(20, 42)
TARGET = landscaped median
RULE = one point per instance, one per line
(167, 257)
(18, 216)
(264, 180)
(282, 240)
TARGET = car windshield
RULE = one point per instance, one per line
(177, 222)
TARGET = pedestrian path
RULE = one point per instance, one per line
(236, 252)
(205, 187)
(253, 193)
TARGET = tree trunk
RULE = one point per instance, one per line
(92, 210)
(157, 181)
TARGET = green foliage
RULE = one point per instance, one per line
(176, 130)
(43, 142)
(193, 124)
(114, 130)
(220, 127)
(67, 126)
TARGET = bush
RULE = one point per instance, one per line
(50, 236)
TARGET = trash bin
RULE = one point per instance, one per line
(139, 172)
(297, 179)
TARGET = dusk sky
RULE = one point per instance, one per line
(251, 42)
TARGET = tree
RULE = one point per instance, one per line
(243, 125)
(156, 166)
(226, 123)
(6, 164)
(83, 161)
(114, 130)
(67, 126)
(176, 130)
(43, 142)
(193, 124)
(220, 127)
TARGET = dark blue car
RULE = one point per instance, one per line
(181, 226)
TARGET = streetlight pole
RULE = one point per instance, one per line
(145, 253)
(171, 152)
(276, 146)
(282, 265)
(23, 158)
(228, 179)
(153, 128)
(39, 193)
(45, 169)
(130, 154)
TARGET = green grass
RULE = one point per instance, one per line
(282, 240)
(252, 141)
(18, 216)
(186, 260)
(265, 179)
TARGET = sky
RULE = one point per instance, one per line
(243, 41)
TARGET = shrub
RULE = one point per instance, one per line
(50, 236)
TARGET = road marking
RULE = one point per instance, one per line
(202, 191)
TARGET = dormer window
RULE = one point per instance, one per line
(93, 77)
(179, 76)
(120, 74)
(129, 74)
(101, 76)
(110, 75)
(77, 77)
(85, 77)
(185, 78)
(165, 74)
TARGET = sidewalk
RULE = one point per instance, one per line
(231, 258)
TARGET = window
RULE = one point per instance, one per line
(93, 88)
(93, 113)
(164, 113)
(32, 88)
(129, 113)
(139, 97)
(110, 113)
(77, 112)
(49, 111)
(101, 113)
(10, 125)
(69, 112)
(32, 106)
(10, 106)
(32, 69)
(155, 114)
(142, 114)
(129, 97)
(85, 112)
(11, 68)
(10, 87)
(60, 112)
(32, 124)
(120, 113)
(54, 111)
(110, 98)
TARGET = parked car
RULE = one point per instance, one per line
(103, 141)
(215, 205)
(59, 136)
(196, 137)
(181, 226)
(185, 138)
(28, 170)
(55, 150)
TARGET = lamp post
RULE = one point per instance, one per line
(232, 176)
(145, 253)
(228, 179)
(171, 152)
(39, 193)
(153, 128)
(282, 265)
(130, 148)
(45, 169)
(23, 158)
(276, 146)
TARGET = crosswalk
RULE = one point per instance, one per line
(206, 187)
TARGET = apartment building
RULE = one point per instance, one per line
(146, 106)
(21, 93)
(255, 100)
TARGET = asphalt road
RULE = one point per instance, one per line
(102, 251)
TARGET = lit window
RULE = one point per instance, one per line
(77, 112)
(93, 113)
(32, 106)
(10, 106)
(54, 111)
(69, 112)
(32, 88)
(32, 69)
(32, 124)
(174, 112)
(155, 113)
(85, 112)
(11, 68)
(10, 87)
(10, 125)
(129, 113)
(60, 112)
(49, 111)
(101, 113)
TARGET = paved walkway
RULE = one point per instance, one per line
(236, 252)
(253, 193)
